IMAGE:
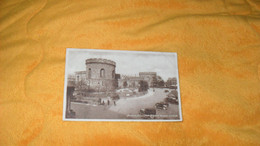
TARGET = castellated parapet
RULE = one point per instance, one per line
(101, 61)
(100, 74)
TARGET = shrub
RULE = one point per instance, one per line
(115, 96)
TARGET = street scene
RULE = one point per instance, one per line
(127, 107)
(108, 89)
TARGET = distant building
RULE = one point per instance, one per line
(129, 81)
(133, 81)
(148, 77)
(80, 76)
(71, 80)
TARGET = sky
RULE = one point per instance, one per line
(127, 62)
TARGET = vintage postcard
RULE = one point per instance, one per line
(113, 85)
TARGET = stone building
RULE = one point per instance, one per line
(71, 80)
(133, 81)
(99, 75)
(148, 77)
(129, 81)
(80, 76)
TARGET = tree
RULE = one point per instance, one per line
(160, 81)
(125, 84)
(143, 86)
(154, 81)
(157, 81)
(171, 81)
(115, 84)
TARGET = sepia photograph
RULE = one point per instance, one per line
(113, 85)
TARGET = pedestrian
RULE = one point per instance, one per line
(103, 103)
(108, 102)
(114, 103)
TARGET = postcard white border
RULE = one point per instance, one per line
(116, 120)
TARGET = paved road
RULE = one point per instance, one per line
(132, 106)
(125, 107)
(85, 111)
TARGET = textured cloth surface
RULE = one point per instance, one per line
(218, 46)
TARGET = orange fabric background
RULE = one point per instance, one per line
(218, 46)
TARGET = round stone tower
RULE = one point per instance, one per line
(100, 74)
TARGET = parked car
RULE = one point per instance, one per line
(148, 113)
(173, 87)
(173, 93)
(162, 105)
(172, 100)
(166, 91)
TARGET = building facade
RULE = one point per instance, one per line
(148, 77)
(99, 75)
(133, 81)
(129, 82)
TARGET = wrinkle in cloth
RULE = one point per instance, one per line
(218, 46)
